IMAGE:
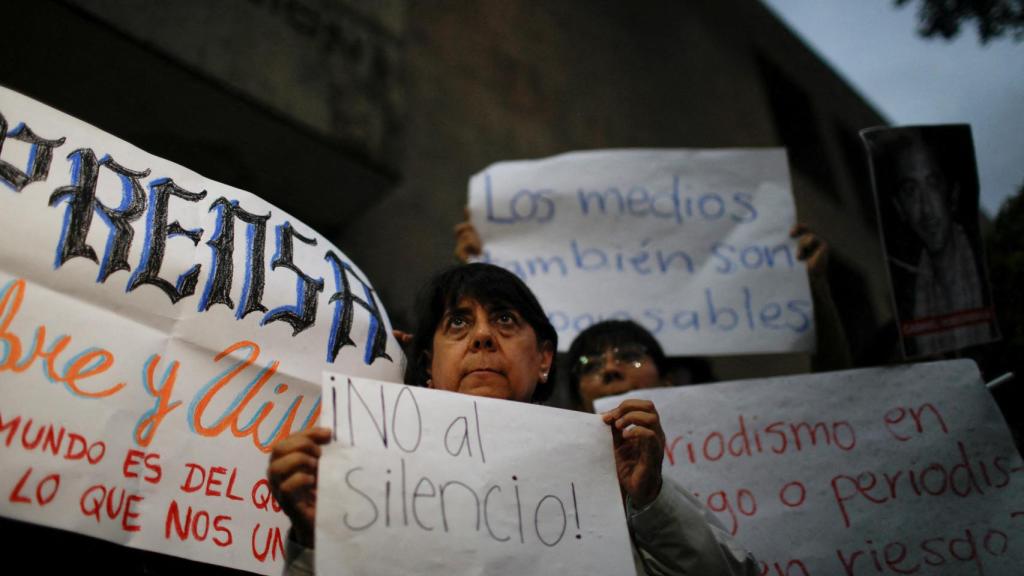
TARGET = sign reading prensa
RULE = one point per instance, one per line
(159, 332)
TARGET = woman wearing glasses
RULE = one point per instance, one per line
(618, 356)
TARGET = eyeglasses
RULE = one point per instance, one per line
(633, 355)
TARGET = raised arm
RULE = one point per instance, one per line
(467, 240)
(833, 351)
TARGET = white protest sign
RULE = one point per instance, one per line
(692, 244)
(159, 332)
(905, 470)
(420, 481)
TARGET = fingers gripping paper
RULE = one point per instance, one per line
(420, 481)
(692, 244)
(159, 332)
(906, 470)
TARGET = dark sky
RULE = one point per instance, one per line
(913, 80)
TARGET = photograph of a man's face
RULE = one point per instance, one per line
(926, 190)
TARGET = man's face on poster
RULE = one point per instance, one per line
(924, 197)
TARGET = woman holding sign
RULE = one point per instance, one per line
(833, 351)
(482, 332)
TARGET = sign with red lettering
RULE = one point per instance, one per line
(159, 332)
(884, 471)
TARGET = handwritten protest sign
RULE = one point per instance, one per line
(692, 244)
(906, 470)
(421, 481)
(159, 332)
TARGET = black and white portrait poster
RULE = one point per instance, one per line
(926, 190)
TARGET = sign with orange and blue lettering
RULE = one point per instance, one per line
(159, 332)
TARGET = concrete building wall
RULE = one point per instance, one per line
(504, 80)
(331, 66)
(399, 102)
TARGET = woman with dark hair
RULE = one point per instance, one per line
(833, 350)
(617, 356)
(448, 302)
(482, 332)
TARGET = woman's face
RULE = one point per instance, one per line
(616, 371)
(487, 352)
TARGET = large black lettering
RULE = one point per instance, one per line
(341, 328)
(302, 314)
(82, 202)
(218, 286)
(38, 159)
(157, 233)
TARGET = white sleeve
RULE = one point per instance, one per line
(298, 560)
(676, 535)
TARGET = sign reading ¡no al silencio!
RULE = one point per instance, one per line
(159, 332)
(460, 485)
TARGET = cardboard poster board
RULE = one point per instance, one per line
(692, 244)
(905, 470)
(159, 332)
(420, 481)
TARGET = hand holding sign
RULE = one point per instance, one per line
(467, 239)
(639, 444)
(292, 473)
(811, 249)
